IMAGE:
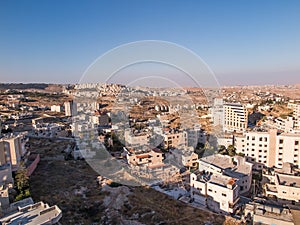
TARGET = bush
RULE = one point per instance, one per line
(23, 194)
(115, 184)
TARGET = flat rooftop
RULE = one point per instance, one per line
(289, 180)
(275, 212)
(240, 169)
(38, 213)
(221, 180)
(218, 179)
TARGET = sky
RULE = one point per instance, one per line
(243, 42)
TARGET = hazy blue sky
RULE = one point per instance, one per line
(243, 42)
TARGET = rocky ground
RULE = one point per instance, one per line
(73, 186)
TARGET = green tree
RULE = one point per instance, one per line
(231, 150)
(21, 179)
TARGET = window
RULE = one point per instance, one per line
(296, 142)
(224, 195)
(210, 190)
(260, 139)
(280, 141)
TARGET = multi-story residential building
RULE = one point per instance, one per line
(283, 186)
(218, 112)
(235, 167)
(12, 148)
(225, 140)
(6, 183)
(235, 117)
(195, 136)
(285, 124)
(6, 175)
(287, 149)
(217, 192)
(189, 159)
(149, 158)
(257, 147)
(295, 106)
(183, 158)
(269, 148)
(136, 140)
(69, 108)
(175, 139)
(268, 214)
(56, 108)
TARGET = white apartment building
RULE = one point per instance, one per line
(285, 124)
(295, 106)
(218, 112)
(56, 108)
(287, 149)
(235, 167)
(269, 148)
(235, 117)
(217, 192)
(268, 214)
(69, 108)
(283, 186)
(225, 140)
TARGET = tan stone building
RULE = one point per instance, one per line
(149, 158)
(269, 148)
(235, 117)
